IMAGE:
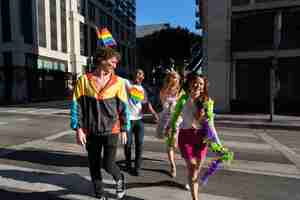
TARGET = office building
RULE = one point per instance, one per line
(44, 44)
(253, 53)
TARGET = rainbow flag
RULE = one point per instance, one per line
(105, 37)
(136, 94)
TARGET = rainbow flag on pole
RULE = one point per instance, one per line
(105, 37)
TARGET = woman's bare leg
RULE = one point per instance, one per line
(194, 167)
(171, 156)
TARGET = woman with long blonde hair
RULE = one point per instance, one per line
(169, 94)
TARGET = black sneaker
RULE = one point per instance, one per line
(120, 187)
(102, 198)
(128, 167)
(99, 192)
(136, 172)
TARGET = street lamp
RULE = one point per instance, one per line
(273, 68)
(274, 62)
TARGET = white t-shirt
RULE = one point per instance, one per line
(136, 97)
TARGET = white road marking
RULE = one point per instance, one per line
(286, 151)
(52, 181)
(3, 123)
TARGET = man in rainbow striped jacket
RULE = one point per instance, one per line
(99, 115)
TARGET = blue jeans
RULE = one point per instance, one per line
(136, 131)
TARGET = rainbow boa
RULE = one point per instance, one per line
(223, 154)
(211, 136)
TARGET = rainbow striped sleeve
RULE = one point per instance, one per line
(76, 111)
(123, 107)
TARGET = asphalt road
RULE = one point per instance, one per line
(38, 159)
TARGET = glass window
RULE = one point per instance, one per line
(53, 24)
(63, 26)
(260, 25)
(83, 39)
(290, 29)
(26, 20)
(41, 23)
(91, 9)
(81, 7)
(6, 23)
(93, 39)
(240, 2)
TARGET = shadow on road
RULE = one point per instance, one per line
(51, 185)
(49, 158)
(165, 183)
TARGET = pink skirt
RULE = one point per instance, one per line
(190, 142)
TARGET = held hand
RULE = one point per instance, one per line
(167, 131)
(123, 138)
(156, 118)
(80, 137)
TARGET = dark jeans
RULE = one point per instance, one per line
(94, 146)
(137, 130)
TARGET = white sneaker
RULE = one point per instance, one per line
(120, 187)
(187, 187)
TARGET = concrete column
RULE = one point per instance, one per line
(47, 24)
(0, 31)
(218, 54)
(35, 23)
(76, 59)
(58, 24)
(17, 37)
(68, 29)
(233, 79)
(203, 8)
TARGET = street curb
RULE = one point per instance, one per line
(255, 125)
(244, 123)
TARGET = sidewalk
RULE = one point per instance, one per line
(258, 121)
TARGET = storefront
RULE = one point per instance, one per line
(47, 78)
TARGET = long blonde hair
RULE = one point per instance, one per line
(171, 84)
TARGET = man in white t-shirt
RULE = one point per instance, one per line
(137, 101)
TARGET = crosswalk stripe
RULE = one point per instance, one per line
(252, 167)
(229, 144)
(248, 134)
(289, 153)
(53, 181)
(40, 111)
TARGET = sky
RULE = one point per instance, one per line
(176, 12)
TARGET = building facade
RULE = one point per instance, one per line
(254, 54)
(44, 44)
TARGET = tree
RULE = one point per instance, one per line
(166, 44)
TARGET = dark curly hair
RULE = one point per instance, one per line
(105, 53)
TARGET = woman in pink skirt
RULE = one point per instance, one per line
(192, 108)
